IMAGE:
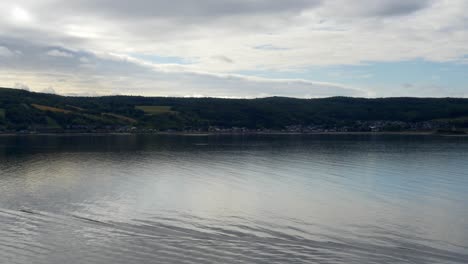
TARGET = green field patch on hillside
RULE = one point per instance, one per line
(107, 118)
(2, 113)
(155, 109)
(50, 108)
(75, 108)
(120, 117)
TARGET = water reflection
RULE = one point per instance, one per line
(233, 199)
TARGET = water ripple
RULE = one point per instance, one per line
(316, 199)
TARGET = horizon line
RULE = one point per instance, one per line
(223, 97)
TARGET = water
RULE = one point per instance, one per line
(233, 199)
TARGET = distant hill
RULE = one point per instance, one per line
(23, 110)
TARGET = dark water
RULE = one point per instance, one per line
(256, 199)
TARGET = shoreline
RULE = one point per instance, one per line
(404, 133)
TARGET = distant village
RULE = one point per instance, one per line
(358, 126)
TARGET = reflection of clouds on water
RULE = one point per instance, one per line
(272, 199)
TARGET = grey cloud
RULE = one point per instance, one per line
(185, 8)
(33, 57)
(196, 84)
(269, 47)
(398, 7)
(59, 53)
(223, 59)
(238, 86)
(18, 38)
(5, 52)
(37, 57)
(63, 21)
(111, 75)
(377, 8)
(265, 34)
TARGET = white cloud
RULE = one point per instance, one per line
(309, 32)
(59, 53)
(84, 60)
(113, 74)
(222, 37)
(49, 90)
(5, 52)
(21, 86)
(20, 15)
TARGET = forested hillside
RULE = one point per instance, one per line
(23, 110)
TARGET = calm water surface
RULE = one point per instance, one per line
(233, 199)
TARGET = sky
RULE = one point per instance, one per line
(236, 48)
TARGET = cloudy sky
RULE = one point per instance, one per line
(236, 48)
